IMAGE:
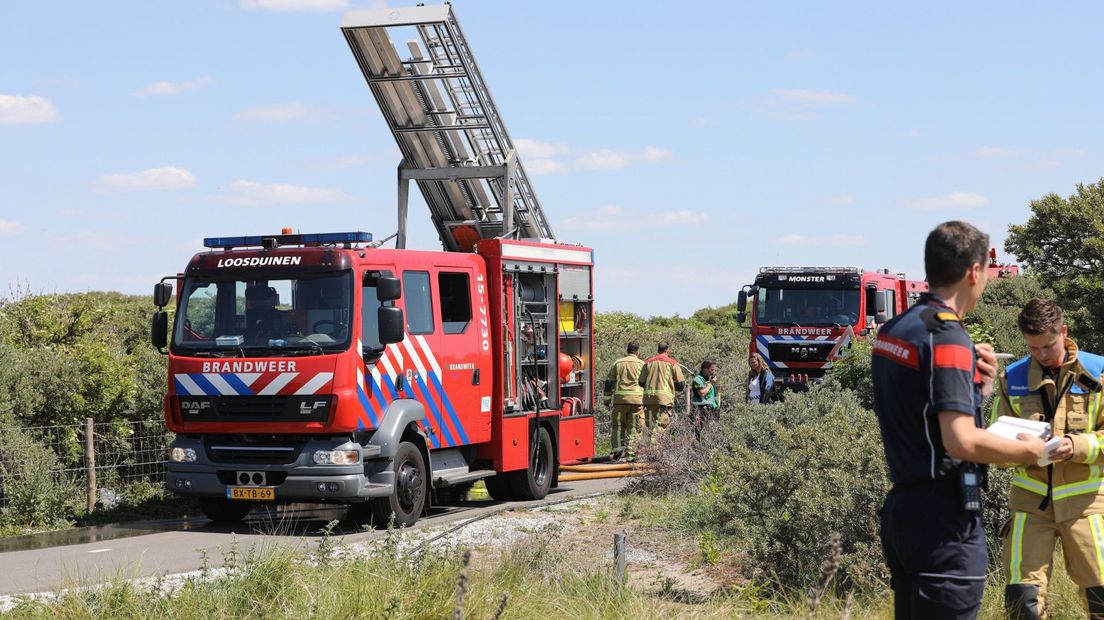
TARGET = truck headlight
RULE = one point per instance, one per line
(182, 455)
(337, 457)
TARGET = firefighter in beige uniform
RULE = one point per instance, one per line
(623, 391)
(1064, 500)
(661, 379)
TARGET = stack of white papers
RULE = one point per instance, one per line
(1009, 427)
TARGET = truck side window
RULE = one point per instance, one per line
(369, 322)
(891, 304)
(419, 302)
(455, 302)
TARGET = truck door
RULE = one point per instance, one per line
(465, 374)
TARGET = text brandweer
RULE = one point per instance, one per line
(283, 366)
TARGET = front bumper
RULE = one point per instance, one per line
(298, 481)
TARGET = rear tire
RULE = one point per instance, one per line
(407, 499)
(222, 511)
(534, 482)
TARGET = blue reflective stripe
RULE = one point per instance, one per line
(205, 385)
(428, 398)
(390, 385)
(181, 390)
(239, 386)
(367, 406)
(448, 407)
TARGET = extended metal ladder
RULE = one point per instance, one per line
(452, 138)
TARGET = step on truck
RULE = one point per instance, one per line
(327, 368)
(805, 318)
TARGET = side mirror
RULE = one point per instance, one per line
(391, 324)
(388, 288)
(162, 293)
(741, 303)
(880, 303)
(880, 318)
(741, 317)
(159, 329)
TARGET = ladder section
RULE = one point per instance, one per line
(452, 138)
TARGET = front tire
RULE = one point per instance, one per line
(222, 511)
(534, 482)
(407, 499)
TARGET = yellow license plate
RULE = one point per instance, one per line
(251, 493)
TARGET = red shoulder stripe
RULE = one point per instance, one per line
(953, 356)
(898, 351)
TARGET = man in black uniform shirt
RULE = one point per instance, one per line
(929, 379)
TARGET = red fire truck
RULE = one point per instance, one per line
(804, 318)
(327, 368)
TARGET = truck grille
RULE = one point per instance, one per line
(225, 451)
(310, 408)
(800, 351)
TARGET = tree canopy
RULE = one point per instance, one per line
(1063, 244)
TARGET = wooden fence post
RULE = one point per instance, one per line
(90, 462)
(619, 558)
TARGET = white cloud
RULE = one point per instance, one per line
(540, 150)
(991, 152)
(540, 167)
(290, 6)
(840, 240)
(154, 179)
(608, 159)
(172, 88)
(16, 110)
(8, 228)
(844, 199)
(953, 200)
(253, 194)
(542, 158)
(280, 112)
(804, 96)
(613, 217)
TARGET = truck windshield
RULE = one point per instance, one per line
(807, 306)
(282, 314)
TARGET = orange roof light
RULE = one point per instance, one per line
(286, 230)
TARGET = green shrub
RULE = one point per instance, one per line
(777, 480)
(35, 494)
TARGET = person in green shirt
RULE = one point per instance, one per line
(703, 396)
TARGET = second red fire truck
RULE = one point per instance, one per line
(804, 318)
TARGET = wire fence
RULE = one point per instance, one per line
(92, 462)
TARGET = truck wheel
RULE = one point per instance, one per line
(533, 483)
(224, 512)
(408, 497)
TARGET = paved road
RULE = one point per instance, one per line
(92, 555)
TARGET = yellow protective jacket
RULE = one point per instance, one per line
(622, 383)
(661, 379)
(1077, 487)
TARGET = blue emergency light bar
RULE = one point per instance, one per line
(296, 239)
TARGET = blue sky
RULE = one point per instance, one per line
(688, 143)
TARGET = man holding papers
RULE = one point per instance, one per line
(928, 383)
(1062, 500)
